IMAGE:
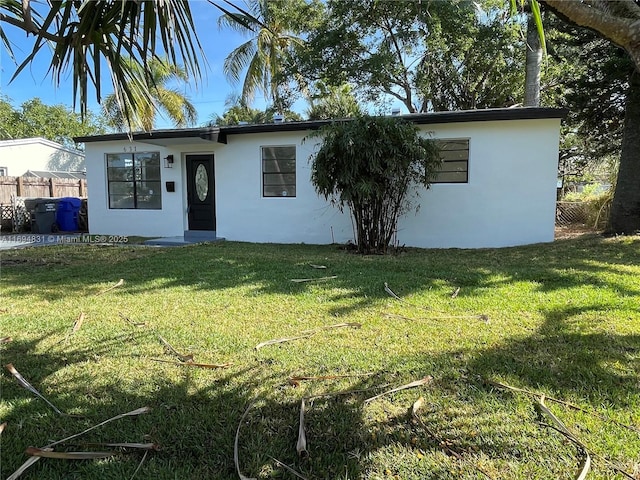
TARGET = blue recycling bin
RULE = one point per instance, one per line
(67, 214)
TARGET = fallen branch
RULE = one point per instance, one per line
(26, 385)
(416, 383)
(235, 446)
(319, 279)
(119, 284)
(193, 364)
(319, 267)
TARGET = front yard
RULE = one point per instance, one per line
(559, 319)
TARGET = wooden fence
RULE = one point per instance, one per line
(36, 187)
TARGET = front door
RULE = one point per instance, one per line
(201, 192)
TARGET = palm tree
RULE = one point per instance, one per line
(262, 58)
(86, 35)
(144, 108)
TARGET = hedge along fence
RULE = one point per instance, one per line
(37, 187)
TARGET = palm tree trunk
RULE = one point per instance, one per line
(625, 209)
(534, 61)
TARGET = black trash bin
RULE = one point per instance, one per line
(43, 218)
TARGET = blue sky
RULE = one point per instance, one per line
(209, 98)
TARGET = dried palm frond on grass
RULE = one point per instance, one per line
(318, 279)
(235, 445)
(445, 445)
(37, 453)
(307, 334)
(119, 284)
(26, 385)
(414, 384)
(562, 402)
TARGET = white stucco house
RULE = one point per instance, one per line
(20, 156)
(252, 182)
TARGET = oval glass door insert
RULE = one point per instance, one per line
(202, 182)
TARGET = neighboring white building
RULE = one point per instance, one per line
(252, 182)
(37, 154)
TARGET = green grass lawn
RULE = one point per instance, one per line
(563, 320)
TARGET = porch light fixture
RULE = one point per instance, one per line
(168, 161)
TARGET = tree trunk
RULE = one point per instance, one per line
(534, 61)
(625, 209)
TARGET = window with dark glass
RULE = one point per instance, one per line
(455, 161)
(134, 180)
(279, 171)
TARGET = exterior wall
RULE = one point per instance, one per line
(18, 156)
(509, 200)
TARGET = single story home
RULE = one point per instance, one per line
(37, 154)
(252, 183)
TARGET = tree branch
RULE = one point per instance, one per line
(33, 29)
(614, 28)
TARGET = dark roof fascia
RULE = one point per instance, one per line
(206, 133)
(219, 134)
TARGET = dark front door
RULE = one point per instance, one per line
(200, 192)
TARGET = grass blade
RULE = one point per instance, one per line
(301, 446)
(48, 453)
(414, 384)
(119, 284)
(319, 279)
(25, 384)
(194, 364)
(235, 445)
